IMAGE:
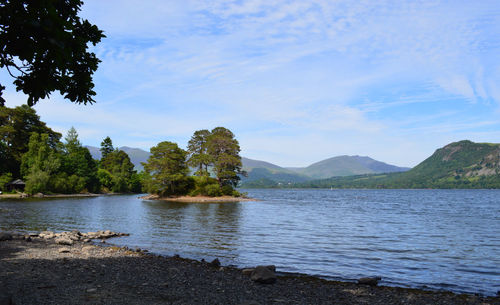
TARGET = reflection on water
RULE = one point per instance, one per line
(210, 226)
(438, 238)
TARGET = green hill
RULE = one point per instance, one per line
(347, 166)
(265, 174)
(463, 164)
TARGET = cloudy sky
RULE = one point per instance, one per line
(296, 81)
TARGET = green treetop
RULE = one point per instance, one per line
(117, 163)
(197, 149)
(167, 169)
(106, 147)
(39, 163)
(225, 152)
(16, 126)
(78, 161)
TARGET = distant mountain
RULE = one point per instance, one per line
(250, 164)
(378, 166)
(94, 151)
(136, 155)
(347, 166)
(264, 172)
(463, 164)
(464, 161)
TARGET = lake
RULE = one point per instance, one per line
(435, 239)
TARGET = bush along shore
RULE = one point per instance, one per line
(66, 268)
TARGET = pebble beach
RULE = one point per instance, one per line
(68, 269)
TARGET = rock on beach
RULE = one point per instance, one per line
(370, 281)
(263, 275)
(43, 272)
(5, 236)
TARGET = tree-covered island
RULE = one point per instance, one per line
(49, 164)
(213, 156)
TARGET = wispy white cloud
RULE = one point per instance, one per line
(286, 74)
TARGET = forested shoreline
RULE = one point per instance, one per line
(50, 164)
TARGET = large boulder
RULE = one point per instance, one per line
(370, 281)
(47, 235)
(263, 275)
(215, 263)
(63, 240)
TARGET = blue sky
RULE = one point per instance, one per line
(296, 81)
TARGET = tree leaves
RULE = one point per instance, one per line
(44, 47)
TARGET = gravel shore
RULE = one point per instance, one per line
(41, 271)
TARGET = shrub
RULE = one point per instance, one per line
(213, 190)
(4, 179)
(227, 190)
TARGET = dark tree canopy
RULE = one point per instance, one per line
(197, 149)
(44, 47)
(16, 126)
(167, 169)
(225, 152)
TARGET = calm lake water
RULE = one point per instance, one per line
(439, 239)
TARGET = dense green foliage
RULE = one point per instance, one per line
(224, 151)
(116, 171)
(16, 126)
(4, 179)
(209, 152)
(168, 170)
(68, 168)
(461, 164)
(31, 151)
(198, 152)
(44, 47)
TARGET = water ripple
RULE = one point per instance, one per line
(438, 239)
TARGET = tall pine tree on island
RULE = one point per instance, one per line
(198, 156)
(167, 170)
(224, 150)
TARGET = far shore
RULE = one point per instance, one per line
(198, 199)
(24, 195)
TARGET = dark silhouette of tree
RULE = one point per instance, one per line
(106, 147)
(44, 47)
(224, 150)
(167, 170)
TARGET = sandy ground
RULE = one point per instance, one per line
(197, 199)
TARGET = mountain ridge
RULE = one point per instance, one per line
(258, 169)
(462, 164)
